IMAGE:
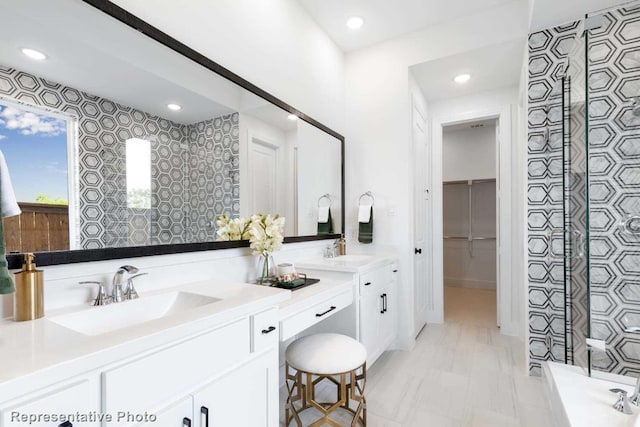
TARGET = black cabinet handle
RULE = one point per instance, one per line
(268, 330)
(382, 298)
(384, 302)
(395, 271)
(368, 284)
(186, 422)
(66, 424)
(333, 307)
(417, 251)
(204, 413)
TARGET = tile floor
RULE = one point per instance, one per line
(462, 373)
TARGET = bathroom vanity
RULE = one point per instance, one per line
(372, 320)
(194, 364)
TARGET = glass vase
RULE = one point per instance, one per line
(265, 272)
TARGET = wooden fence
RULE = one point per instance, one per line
(40, 227)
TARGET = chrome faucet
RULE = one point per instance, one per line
(622, 403)
(117, 294)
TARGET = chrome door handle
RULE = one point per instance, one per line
(550, 236)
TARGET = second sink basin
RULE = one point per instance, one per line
(100, 320)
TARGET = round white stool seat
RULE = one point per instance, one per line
(326, 354)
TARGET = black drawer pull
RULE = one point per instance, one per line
(367, 284)
(66, 424)
(333, 307)
(395, 271)
(204, 413)
(384, 303)
(269, 329)
(186, 422)
(382, 310)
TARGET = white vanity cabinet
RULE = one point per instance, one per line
(245, 396)
(77, 395)
(377, 310)
(225, 374)
(237, 363)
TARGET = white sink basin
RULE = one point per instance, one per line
(100, 320)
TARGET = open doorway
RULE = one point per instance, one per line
(469, 226)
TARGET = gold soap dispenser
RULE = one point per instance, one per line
(29, 298)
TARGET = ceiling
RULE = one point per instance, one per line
(551, 13)
(107, 61)
(386, 19)
(435, 78)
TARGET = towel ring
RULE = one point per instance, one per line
(367, 194)
(325, 196)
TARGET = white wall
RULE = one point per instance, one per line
(378, 149)
(319, 172)
(274, 44)
(469, 154)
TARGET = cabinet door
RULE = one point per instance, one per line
(246, 397)
(179, 414)
(387, 318)
(44, 408)
(370, 318)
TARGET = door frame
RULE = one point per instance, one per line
(505, 293)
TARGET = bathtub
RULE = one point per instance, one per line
(579, 401)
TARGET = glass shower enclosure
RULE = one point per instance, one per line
(594, 240)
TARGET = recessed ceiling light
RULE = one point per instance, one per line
(33, 54)
(292, 117)
(462, 78)
(174, 107)
(355, 22)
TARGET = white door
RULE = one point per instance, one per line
(422, 244)
(263, 175)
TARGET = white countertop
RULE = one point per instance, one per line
(41, 346)
(352, 263)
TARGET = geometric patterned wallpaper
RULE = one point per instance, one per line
(614, 192)
(184, 188)
(548, 51)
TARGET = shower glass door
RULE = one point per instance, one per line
(575, 176)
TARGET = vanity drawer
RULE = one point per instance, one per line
(374, 279)
(264, 330)
(306, 318)
(135, 387)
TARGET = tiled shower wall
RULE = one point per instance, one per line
(103, 127)
(614, 183)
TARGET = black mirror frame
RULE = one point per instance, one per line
(88, 255)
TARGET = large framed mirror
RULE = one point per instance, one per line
(122, 141)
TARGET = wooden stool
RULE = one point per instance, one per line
(332, 357)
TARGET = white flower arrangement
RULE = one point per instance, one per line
(267, 233)
(233, 228)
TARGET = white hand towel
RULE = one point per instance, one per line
(323, 214)
(9, 204)
(364, 213)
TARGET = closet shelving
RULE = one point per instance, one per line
(470, 237)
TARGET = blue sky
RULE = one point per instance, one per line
(35, 147)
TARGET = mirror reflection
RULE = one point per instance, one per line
(114, 140)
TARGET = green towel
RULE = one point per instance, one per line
(326, 227)
(6, 282)
(365, 230)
